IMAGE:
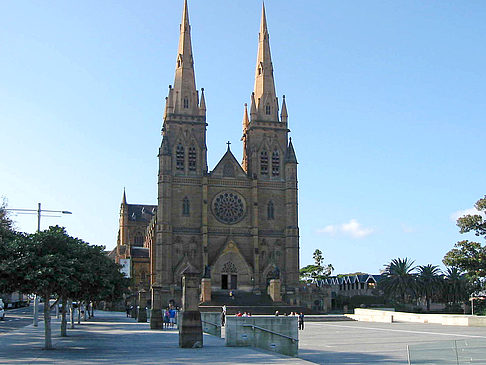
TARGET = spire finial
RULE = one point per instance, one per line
(124, 200)
(267, 105)
(185, 81)
(228, 143)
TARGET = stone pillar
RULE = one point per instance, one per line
(274, 290)
(142, 305)
(156, 320)
(190, 326)
(205, 290)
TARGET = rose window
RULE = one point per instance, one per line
(228, 207)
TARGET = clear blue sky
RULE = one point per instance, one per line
(386, 103)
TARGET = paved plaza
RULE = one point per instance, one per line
(112, 338)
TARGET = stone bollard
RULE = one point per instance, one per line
(142, 311)
(156, 321)
(190, 325)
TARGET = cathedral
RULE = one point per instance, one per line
(236, 224)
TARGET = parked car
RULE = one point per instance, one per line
(2, 310)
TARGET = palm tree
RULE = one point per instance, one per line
(399, 281)
(429, 281)
(456, 288)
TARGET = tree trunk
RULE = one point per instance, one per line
(63, 318)
(428, 303)
(47, 323)
(79, 312)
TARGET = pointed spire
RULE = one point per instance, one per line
(185, 82)
(284, 116)
(290, 156)
(253, 110)
(264, 90)
(124, 200)
(246, 122)
(202, 104)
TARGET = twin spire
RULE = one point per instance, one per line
(184, 98)
(264, 101)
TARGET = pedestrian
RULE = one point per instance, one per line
(301, 321)
(166, 318)
(223, 315)
(127, 308)
(276, 313)
(172, 315)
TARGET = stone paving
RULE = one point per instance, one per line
(112, 338)
(374, 343)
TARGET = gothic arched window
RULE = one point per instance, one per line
(267, 109)
(192, 158)
(138, 240)
(186, 103)
(186, 207)
(275, 163)
(264, 162)
(270, 210)
(180, 157)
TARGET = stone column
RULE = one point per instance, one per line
(156, 320)
(205, 290)
(274, 290)
(142, 304)
(190, 326)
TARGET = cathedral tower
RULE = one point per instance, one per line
(236, 223)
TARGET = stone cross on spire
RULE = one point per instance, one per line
(265, 96)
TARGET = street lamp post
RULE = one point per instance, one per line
(39, 212)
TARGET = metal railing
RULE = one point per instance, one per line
(211, 323)
(294, 340)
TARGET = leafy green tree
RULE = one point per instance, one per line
(429, 282)
(53, 263)
(7, 231)
(37, 264)
(313, 273)
(470, 256)
(399, 280)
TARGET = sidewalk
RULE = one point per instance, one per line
(112, 338)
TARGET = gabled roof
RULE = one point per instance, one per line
(141, 213)
(229, 167)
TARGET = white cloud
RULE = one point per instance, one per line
(353, 228)
(408, 229)
(461, 213)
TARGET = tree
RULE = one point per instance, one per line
(53, 263)
(398, 279)
(313, 273)
(456, 287)
(470, 256)
(6, 224)
(429, 282)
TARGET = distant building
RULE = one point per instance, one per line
(349, 286)
(131, 251)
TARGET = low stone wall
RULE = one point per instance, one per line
(211, 323)
(277, 334)
(374, 315)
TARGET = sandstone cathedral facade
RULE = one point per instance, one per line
(236, 224)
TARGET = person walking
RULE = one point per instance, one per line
(223, 315)
(301, 321)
